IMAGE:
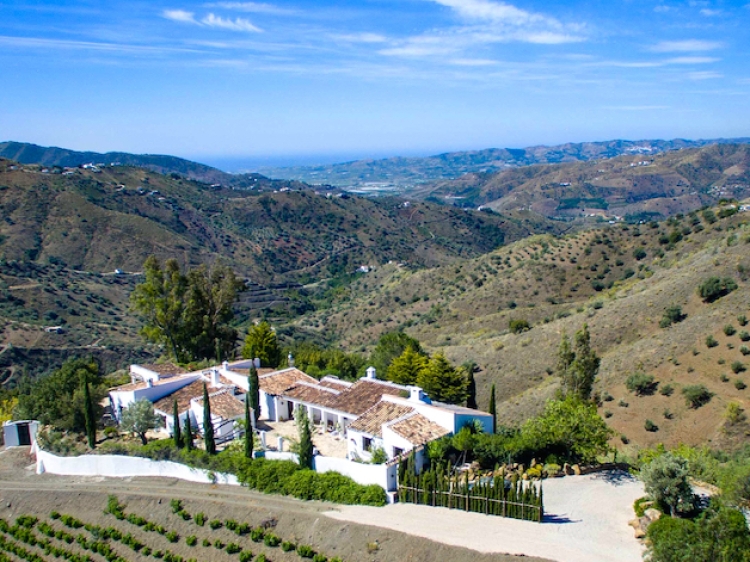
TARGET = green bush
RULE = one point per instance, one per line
(744, 335)
(641, 384)
(672, 315)
(697, 395)
(666, 390)
(729, 330)
(288, 546)
(257, 534)
(517, 326)
(246, 556)
(742, 320)
(651, 426)
(738, 367)
(215, 524)
(711, 342)
(200, 519)
(714, 288)
(206, 543)
(192, 540)
(739, 384)
(305, 551)
(176, 505)
(172, 536)
(744, 350)
(639, 253)
(233, 548)
(271, 540)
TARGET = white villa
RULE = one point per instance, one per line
(370, 413)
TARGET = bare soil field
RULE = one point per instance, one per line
(22, 491)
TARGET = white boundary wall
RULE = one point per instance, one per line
(118, 466)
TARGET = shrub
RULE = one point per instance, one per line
(697, 395)
(640, 383)
(729, 330)
(739, 384)
(215, 524)
(320, 558)
(200, 519)
(651, 426)
(218, 544)
(711, 342)
(517, 326)
(622, 403)
(192, 540)
(246, 556)
(257, 534)
(54, 515)
(271, 540)
(206, 543)
(639, 253)
(666, 480)
(231, 524)
(305, 551)
(738, 367)
(734, 413)
(672, 315)
(744, 335)
(233, 548)
(288, 546)
(666, 390)
(742, 320)
(176, 505)
(172, 536)
(714, 288)
(744, 350)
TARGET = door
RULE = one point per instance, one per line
(24, 435)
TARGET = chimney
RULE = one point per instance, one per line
(225, 365)
(290, 359)
(371, 373)
(150, 383)
(416, 394)
(215, 377)
(256, 363)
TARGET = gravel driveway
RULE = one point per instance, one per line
(586, 521)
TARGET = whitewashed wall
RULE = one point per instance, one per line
(117, 466)
(383, 475)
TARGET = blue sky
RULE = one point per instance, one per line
(293, 80)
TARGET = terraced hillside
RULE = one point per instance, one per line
(619, 279)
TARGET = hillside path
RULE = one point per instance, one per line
(586, 521)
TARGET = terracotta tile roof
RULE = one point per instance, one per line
(371, 422)
(164, 369)
(183, 396)
(331, 382)
(418, 430)
(364, 394)
(312, 394)
(276, 382)
(224, 404)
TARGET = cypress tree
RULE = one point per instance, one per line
(208, 426)
(305, 438)
(248, 431)
(471, 399)
(493, 409)
(176, 433)
(253, 393)
(188, 438)
(90, 417)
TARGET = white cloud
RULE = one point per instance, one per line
(252, 7)
(237, 24)
(362, 38)
(494, 11)
(180, 15)
(637, 107)
(691, 60)
(705, 75)
(710, 13)
(686, 46)
(472, 62)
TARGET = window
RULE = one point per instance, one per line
(397, 452)
(366, 443)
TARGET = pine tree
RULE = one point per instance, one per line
(305, 453)
(89, 415)
(176, 434)
(493, 409)
(248, 431)
(577, 367)
(253, 393)
(188, 438)
(208, 425)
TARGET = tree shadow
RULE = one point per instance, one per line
(616, 477)
(557, 519)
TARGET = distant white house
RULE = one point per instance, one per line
(20, 433)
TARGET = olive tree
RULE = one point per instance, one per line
(666, 481)
(139, 418)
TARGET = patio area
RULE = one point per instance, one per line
(329, 444)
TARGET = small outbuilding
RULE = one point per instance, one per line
(20, 433)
